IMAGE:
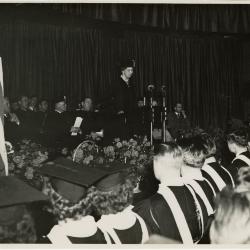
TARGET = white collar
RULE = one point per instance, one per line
(84, 227)
(241, 152)
(172, 182)
(210, 160)
(122, 220)
(194, 175)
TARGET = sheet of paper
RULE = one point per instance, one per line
(77, 124)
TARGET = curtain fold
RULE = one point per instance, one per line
(175, 17)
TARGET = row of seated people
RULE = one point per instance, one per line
(32, 120)
(42, 125)
(102, 205)
(54, 128)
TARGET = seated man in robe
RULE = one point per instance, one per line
(59, 127)
(27, 118)
(91, 122)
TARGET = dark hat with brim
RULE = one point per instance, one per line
(15, 192)
(69, 171)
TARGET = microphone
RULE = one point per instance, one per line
(163, 88)
(150, 87)
(133, 60)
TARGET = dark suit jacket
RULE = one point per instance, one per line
(27, 123)
(176, 124)
(11, 130)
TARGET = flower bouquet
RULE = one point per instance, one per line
(25, 159)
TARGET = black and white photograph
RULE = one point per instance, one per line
(125, 124)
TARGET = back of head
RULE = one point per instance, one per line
(168, 157)
(239, 137)
(231, 224)
(194, 151)
(209, 144)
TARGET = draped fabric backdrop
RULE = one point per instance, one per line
(44, 57)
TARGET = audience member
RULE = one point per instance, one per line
(172, 212)
(40, 120)
(177, 121)
(15, 105)
(237, 143)
(194, 154)
(232, 217)
(11, 123)
(69, 190)
(111, 198)
(217, 175)
(33, 103)
(26, 117)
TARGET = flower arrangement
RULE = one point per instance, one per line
(137, 152)
(25, 159)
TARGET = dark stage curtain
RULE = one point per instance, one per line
(172, 17)
(46, 59)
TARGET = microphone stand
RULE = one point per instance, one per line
(151, 115)
(164, 116)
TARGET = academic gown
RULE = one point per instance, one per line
(83, 231)
(217, 175)
(125, 227)
(159, 217)
(124, 97)
(57, 130)
(238, 162)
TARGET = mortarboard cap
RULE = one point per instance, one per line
(15, 192)
(116, 174)
(69, 171)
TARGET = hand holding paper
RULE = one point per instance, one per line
(76, 128)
